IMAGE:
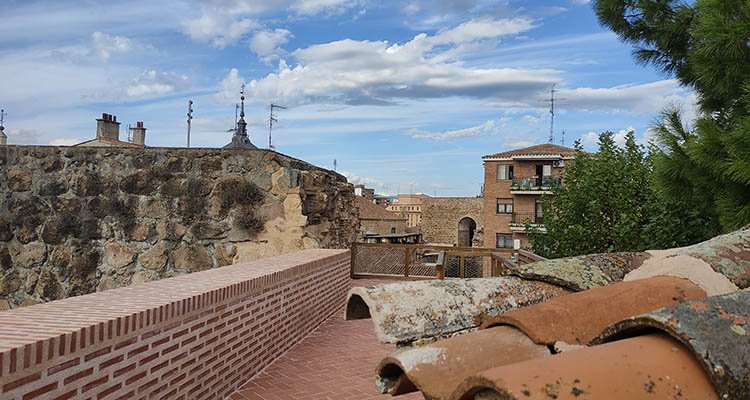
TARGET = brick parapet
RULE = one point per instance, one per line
(195, 336)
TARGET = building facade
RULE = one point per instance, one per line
(452, 221)
(514, 182)
(108, 134)
(378, 224)
(410, 206)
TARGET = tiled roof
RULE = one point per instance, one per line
(601, 344)
(110, 142)
(368, 210)
(546, 149)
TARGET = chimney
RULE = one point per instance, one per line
(139, 134)
(107, 127)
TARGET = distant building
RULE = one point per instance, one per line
(514, 181)
(410, 206)
(377, 225)
(362, 191)
(108, 134)
(383, 201)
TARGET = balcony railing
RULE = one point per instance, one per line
(523, 218)
(541, 183)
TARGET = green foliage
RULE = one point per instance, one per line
(610, 202)
(706, 44)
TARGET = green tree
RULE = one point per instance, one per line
(706, 45)
(605, 203)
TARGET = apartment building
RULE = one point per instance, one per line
(514, 182)
(410, 206)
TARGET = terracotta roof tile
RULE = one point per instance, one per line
(427, 310)
(368, 210)
(546, 149)
(716, 329)
(580, 317)
(646, 367)
(433, 370)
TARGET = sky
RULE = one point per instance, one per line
(406, 96)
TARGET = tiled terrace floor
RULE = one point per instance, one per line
(337, 361)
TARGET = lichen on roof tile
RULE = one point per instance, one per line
(582, 272)
(578, 318)
(410, 311)
(715, 329)
(727, 254)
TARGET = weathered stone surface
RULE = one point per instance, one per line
(225, 254)
(168, 230)
(154, 258)
(727, 254)
(441, 217)
(209, 230)
(4, 305)
(19, 180)
(191, 257)
(29, 303)
(10, 283)
(69, 213)
(426, 310)
(117, 257)
(49, 287)
(32, 255)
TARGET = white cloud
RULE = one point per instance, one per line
(363, 180)
(105, 45)
(485, 128)
(229, 87)
(367, 72)
(314, 7)
(219, 28)
(23, 136)
(266, 44)
(643, 99)
(154, 83)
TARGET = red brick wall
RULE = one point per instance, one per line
(196, 336)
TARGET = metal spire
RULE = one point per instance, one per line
(3, 136)
(241, 138)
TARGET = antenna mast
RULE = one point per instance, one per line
(189, 119)
(271, 119)
(552, 100)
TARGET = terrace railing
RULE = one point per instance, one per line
(541, 183)
(417, 261)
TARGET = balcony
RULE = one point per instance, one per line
(534, 185)
(519, 221)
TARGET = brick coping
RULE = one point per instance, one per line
(85, 320)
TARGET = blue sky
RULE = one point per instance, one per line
(405, 95)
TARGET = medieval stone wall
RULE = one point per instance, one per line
(440, 217)
(78, 220)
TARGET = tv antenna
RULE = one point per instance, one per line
(271, 119)
(562, 141)
(189, 120)
(335, 164)
(552, 101)
(3, 136)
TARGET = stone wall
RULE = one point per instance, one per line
(440, 217)
(78, 220)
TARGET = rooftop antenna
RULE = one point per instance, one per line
(334, 164)
(551, 101)
(271, 120)
(3, 136)
(189, 119)
(562, 141)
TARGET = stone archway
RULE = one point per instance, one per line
(466, 229)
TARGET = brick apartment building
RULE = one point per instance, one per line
(410, 206)
(514, 182)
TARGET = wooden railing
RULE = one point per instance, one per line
(417, 261)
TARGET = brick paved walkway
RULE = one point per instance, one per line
(337, 361)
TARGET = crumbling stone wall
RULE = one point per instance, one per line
(440, 217)
(77, 220)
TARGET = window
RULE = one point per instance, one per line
(505, 206)
(503, 241)
(504, 172)
(393, 230)
(539, 213)
(547, 170)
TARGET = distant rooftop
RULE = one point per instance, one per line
(539, 151)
